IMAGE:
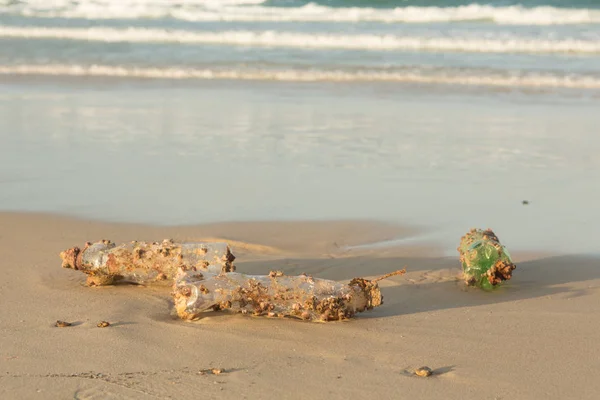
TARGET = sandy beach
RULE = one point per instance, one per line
(336, 138)
(535, 338)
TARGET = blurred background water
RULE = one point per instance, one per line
(443, 114)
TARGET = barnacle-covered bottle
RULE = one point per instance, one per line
(275, 295)
(485, 262)
(141, 262)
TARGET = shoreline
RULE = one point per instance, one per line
(333, 236)
(354, 232)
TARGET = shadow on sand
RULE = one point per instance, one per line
(432, 286)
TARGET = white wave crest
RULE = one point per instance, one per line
(253, 10)
(415, 75)
(497, 44)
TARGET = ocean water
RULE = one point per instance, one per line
(446, 114)
(531, 44)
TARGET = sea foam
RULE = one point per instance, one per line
(441, 43)
(467, 77)
(254, 10)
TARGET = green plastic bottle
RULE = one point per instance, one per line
(485, 262)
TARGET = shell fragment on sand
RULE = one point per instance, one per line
(485, 262)
(275, 295)
(141, 262)
(423, 372)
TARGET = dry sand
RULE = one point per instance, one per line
(535, 338)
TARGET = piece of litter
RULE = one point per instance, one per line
(302, 296)
(485, 262)
(140, 262)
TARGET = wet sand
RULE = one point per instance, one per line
(161, 152)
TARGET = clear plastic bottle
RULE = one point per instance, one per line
(140, 262)
(275, 295)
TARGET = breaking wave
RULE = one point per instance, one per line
(469, 77)
(254, 10)
(496, 44)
